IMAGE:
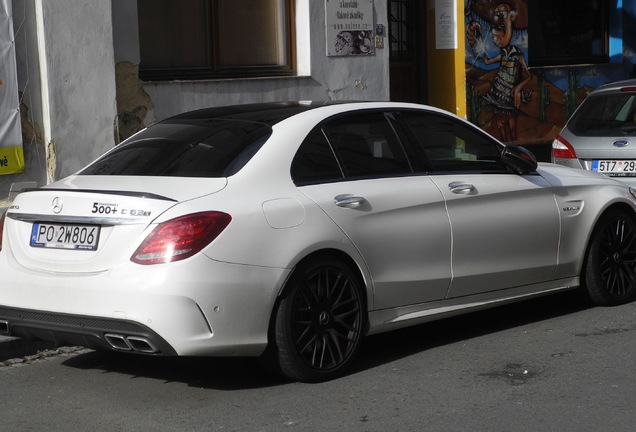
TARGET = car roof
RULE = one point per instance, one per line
(617, 86)
(268, 113)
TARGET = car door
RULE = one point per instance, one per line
(505, 227)
(355, 168)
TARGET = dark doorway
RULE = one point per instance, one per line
(407, 20)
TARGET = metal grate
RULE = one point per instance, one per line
(401, 29)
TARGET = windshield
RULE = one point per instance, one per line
(216, 148)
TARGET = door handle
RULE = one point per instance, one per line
(349, 201)
(461, 188)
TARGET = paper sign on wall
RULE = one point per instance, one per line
(349, 27)
(446, 24)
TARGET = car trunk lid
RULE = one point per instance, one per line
(87, 223)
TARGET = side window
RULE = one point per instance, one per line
(366, 145)
(449, 145)
(315, 161)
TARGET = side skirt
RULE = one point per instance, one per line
(390, 319)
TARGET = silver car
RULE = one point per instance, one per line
(601, 134)
(293, 230)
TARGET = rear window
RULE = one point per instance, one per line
(217, 148)
(605, 115)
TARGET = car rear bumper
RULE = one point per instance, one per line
(90, 332)
(198, 307)
(586, 164)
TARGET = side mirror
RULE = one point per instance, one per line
(519, 160)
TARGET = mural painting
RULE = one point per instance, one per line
(505, 95)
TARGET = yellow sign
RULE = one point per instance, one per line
(11, 160)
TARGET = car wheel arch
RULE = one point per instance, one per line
(614, 207)
(327, 254)
(600, 223)
(328, 258)
(330, 254)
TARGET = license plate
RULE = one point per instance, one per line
(615, 167)
(65, 236)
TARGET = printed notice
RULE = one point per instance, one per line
(446, 24)
(349, 27)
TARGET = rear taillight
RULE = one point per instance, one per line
(561, 149)
(2, 218)
(180, 238)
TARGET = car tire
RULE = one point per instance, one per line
(610, 271)
(319, 321)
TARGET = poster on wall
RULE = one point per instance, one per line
(11, 155)
(446, 24)
(349, 27)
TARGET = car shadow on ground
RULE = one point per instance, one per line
(248, 373)
(387, 347)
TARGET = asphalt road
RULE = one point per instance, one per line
(551, 364)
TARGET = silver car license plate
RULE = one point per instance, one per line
(617, 167)
(65, 236)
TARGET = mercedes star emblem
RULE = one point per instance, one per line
(57, 205)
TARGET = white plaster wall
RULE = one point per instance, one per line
(320, 77)
(78, 39)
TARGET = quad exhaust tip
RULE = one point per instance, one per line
(117, 342)
(130, 343)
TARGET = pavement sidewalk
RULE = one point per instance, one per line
(11, 347)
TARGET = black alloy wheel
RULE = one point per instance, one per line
(319, 321)
(610, 270)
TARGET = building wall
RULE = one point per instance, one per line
(80, 93)
(78, 64)
(81, 81)
(66, 79)
(319, 77)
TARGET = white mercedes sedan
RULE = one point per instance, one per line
(292, 230)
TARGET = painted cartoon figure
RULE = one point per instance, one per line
(506, 94)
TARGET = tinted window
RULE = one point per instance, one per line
(448, 145)
(366, 145)
(211, 149)
(315, 161)
(606, 115)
